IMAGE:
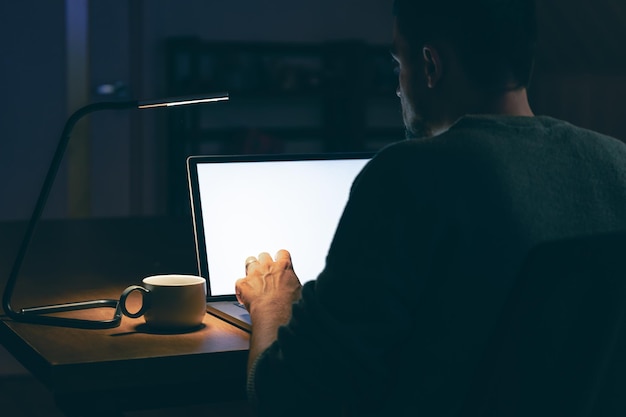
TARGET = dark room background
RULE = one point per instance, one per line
(58, 55)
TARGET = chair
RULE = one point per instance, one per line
(559, 348)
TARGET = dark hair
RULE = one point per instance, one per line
(495, 39)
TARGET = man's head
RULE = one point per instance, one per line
(453, 53)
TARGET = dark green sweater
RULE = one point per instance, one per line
(425, 255)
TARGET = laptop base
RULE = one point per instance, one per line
(230, 312)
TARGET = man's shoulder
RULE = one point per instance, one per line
(408, 149)
(535, 127)
(478, 142)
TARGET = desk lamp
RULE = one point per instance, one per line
(40, 314)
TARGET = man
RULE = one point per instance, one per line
(435, 229)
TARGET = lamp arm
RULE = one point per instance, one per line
(40, 314)
(45, 191)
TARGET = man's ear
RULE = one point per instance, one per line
(433, 68)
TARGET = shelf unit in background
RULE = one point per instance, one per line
(285, 98)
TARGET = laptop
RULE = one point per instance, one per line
(245, 205)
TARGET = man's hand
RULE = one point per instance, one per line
(268, 284)
(268, 291)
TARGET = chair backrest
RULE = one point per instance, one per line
(559, 348)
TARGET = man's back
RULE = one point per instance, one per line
(427, 252)
(494, 188)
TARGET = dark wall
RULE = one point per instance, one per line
(32, 108)
(581, 63)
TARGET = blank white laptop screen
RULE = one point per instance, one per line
(244, 207)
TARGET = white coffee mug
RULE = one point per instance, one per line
(170, 301)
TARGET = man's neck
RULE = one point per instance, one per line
(510, 103)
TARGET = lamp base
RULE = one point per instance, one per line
(39, 315)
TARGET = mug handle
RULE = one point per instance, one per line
(144, 301)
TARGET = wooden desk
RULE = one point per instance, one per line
(101, 372)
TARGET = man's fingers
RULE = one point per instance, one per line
(238, 284)
(284, 256)
(265, 258)
(249, 261)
